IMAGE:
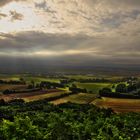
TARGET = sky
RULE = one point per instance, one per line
(69, 32)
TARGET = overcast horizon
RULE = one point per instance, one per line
(76, 33)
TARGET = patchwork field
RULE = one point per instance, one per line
(118, 105)
(81, 98)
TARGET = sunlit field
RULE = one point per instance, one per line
(118, 105)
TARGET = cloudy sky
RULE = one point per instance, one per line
(70, 32)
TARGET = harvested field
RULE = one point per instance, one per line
(44, 96)
(81, 98)
(12, 87)
(30, 96)
(119, 105)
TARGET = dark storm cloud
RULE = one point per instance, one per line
(94, 32)
(95, 49)
(29, 41)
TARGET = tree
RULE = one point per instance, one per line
(20, 129)
(121, 88)
(138, 84)
(113, 86)
(22, 80)
(105, 91)
(131, 87)
(74, 86)
(33, 83)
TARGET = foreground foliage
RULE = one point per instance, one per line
(39, 120)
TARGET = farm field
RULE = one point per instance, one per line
(94, 87)
(39, 79)
(80, 76)
(80, 98)
(12, 87)
(29, 78)
(44, 96)
(31, 96)
(118, 105)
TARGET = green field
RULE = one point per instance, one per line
(77, 77)
(39, 79)
(29, 78)
(94, 87)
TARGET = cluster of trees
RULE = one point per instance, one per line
(66, 81)
(35, 87)
(132, 90)
(130, 79)
(95, 80)
(11, 91)
(13, 82)
(50, 85)
(39, 120)
(75, 89)
(123, 88)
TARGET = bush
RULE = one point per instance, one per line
(20, 129)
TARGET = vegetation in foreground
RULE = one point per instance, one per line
(39, 120)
